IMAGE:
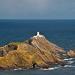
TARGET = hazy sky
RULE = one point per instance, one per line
(37, 9)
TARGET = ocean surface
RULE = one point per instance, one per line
(60, 32)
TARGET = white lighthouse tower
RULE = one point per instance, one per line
(38, 35)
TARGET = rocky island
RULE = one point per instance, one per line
(36, 52)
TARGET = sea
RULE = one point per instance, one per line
(60, 32)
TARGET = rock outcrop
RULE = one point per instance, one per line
(71, 53)
(37, 52)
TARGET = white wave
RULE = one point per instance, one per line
(69, 66)
(15, 69)
(71, 62)
(52, 68)
(18, 69)
(69, 59)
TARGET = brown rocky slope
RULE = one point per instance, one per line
(37, 52)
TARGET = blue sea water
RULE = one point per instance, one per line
(60, 32)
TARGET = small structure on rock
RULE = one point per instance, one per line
(38, 35)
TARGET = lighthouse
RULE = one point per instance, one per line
(38, 35)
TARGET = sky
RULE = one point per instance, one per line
(37, 9)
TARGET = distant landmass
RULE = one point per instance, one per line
(36, 52)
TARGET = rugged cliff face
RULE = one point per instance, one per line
(37, 52)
